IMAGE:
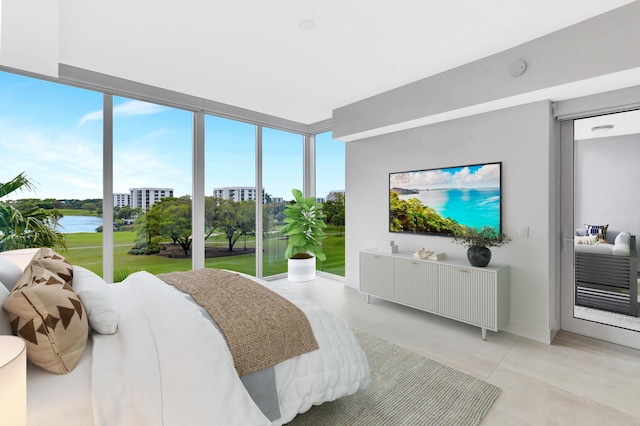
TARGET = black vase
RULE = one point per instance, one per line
(479, 256)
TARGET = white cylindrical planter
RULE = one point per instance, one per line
(302, 269)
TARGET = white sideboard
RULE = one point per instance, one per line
(450, 288)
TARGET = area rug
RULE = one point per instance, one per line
(406, 389)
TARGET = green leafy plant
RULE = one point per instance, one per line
(483, 237)
(304, 225)
(31, 227)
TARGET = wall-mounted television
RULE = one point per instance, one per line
(438, 201)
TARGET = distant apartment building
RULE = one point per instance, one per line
(237, 193)
(145, 197)
(121, 200)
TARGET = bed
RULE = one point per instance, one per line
(169, 364)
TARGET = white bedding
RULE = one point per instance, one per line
(168, 365)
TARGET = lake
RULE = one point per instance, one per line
(71, 224)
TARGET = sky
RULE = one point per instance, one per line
(476, 176)
(53, 133)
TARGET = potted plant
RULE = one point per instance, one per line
(478, 242)
(304, 228)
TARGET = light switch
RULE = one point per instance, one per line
(524, 231)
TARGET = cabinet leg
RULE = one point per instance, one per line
(484, 334)
(368, 298)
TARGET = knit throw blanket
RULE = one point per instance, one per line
(262, 328)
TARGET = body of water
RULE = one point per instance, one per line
(71, 224)
(476, 207)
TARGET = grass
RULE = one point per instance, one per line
(85, 249)
(77, 212)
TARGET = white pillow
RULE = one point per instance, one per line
(5, 323)
(9, 273)
(588, 240)
(98, 300)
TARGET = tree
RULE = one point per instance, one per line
(234, 219)
(33, 227)
(89, 206)
(127, 212)
(171, 218)
(334, 210)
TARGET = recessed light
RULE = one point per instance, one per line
(602, 129)
(306, 24)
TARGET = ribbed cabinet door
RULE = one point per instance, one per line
(468, 295)
(417, 284)
(376, 275)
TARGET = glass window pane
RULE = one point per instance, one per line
(152, 171)
(282, 171)
(230, 195)
(53, 134)
(330, 191)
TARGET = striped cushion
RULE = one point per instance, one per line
(599, 230)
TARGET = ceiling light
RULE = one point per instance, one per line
(306, 24)
(602, 129)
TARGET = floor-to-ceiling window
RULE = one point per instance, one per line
(52, 133)
(282, 171)
(152, 165)
(330, 190)
(230, 195)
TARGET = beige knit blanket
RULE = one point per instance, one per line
(262, 328)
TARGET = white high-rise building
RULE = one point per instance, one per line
(121, 200)
(145, 197)
(237, 193)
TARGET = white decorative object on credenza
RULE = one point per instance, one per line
(387, 246)
(13, 381)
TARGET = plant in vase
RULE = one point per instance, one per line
(478, 242)
(304, 227)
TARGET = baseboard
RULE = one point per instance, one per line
(542, 335)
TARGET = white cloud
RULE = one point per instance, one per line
(125, 109)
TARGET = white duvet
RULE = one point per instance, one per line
(168, 365)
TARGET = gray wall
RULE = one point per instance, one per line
(606, 182)
(520, 137)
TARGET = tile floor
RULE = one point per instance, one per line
(574, 381)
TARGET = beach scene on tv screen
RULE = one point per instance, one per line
(442, 200)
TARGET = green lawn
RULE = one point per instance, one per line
(85, 249)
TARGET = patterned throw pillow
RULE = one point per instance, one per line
(599, 230)
(54, 262)
(46, 312)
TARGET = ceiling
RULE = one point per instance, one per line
(260, 55)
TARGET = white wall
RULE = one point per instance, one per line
(595, 53)
(520, 137)
(606, 183)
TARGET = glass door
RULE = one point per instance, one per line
(599, 222)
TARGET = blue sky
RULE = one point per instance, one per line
(53, 133)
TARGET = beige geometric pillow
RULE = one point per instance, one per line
(54, 262)
(46, 312)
